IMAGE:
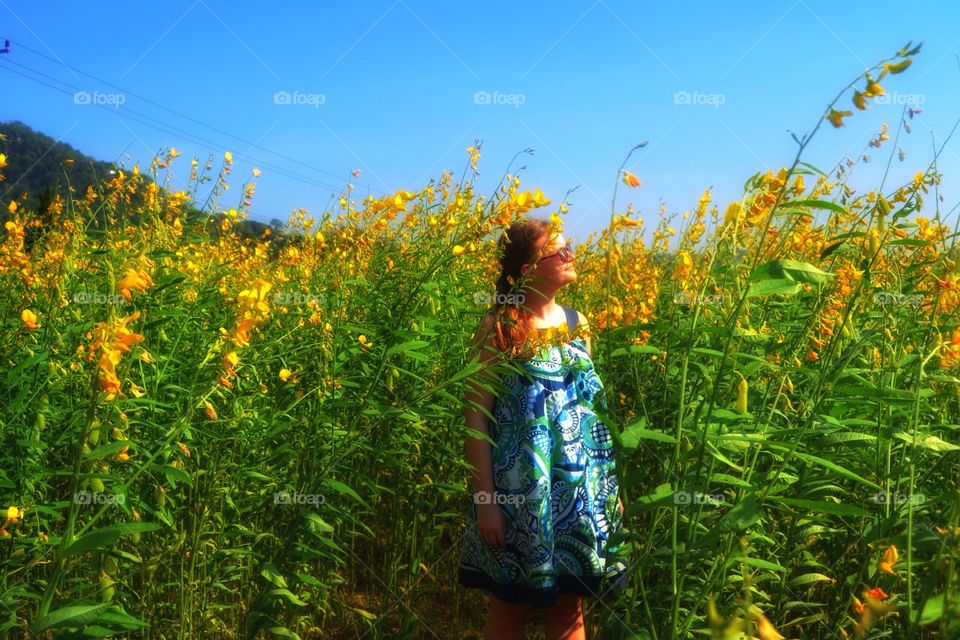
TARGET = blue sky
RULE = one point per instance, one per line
(399, 89)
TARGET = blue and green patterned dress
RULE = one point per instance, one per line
(554, 471)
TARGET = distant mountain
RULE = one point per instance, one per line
(35, 167)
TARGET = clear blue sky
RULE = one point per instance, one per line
(390, 88)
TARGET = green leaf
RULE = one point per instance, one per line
(106, 537)
(769, 287)
(272, 575)
(73, 616)
(406, 346)
(641, 349)
(805, 272)
(342, 488)
(822, 507)
(745, 513)
(283, 632)
(762, 564)
(288, 596)
(636, 432)
(660, 497)
(99, 539)
(107, 449)
(837, 468)
(933, 608)
(928, 441)
(815, 204)
(810, 578)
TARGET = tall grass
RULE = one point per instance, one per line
(229, 438)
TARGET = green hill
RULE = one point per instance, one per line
(35, 167)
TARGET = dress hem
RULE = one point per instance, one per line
(522, 594)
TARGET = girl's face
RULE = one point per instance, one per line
(551, 267)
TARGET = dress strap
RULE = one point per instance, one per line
(572, 318)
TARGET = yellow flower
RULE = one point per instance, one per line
(860, 101)
(733, 213)
(3, 160)
(29, 319)
(836, 117)
(14, 514)
(889, 558)
(458, 250)
(256, 172)
(211, 412)
(284, 374)
(12, 207)
(873, 89)
(630, 180)
(228, 157)
(766, 630)
(134, 279)
(362, 339)
(742, 392)
(255, 298)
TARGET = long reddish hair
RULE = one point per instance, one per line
(519, 245)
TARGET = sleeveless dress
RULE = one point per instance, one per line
(554, 480)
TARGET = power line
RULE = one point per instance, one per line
(165, 128)
(181, 114)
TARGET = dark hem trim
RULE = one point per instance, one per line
(521, 594)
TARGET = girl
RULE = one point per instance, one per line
(546, 500)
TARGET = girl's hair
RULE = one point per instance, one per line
(517, 246)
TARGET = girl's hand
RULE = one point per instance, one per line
(490, 525)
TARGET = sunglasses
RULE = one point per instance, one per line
(565, 253)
